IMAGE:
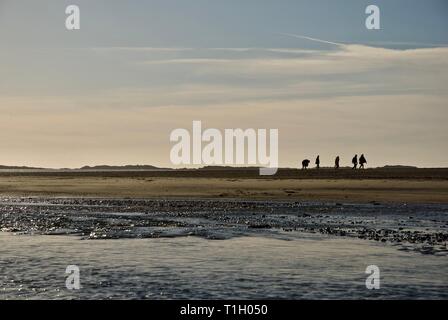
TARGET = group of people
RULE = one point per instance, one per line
(362, 161)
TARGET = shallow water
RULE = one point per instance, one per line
(422, 228)
(205, 249)
(295, 267)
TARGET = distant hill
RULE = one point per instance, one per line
(137, 167)
(399, 167)
(19, 168)
(227, 168)
(126, 167)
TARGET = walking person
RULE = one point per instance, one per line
(336, 163)
(355, 161)
(362, 161)
(305, 164)
(317, 162)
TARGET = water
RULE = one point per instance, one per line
(252, 267)
(221, 249)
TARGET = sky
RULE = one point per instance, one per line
(111, 92)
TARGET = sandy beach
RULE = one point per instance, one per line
(382, 185)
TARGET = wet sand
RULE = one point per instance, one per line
(383, 185)
(415, 227)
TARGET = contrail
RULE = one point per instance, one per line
(437, 45)
(312, 39)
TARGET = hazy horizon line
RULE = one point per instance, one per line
(93, 166)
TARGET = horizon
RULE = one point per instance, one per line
(5, 167)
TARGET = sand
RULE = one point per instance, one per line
(371, 185)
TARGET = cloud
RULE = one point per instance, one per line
(311, 39)
(346, 59)
(264, 75)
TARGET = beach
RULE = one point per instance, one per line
(383, 185)
(220, 234)
(232, 152)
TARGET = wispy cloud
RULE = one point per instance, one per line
(311, 39)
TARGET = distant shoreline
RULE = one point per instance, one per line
(389, 173)
(145, 167)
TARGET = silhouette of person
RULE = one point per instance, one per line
(362, 161)
(336, 163)
(305, 163)
(355, 161)
(317, 162)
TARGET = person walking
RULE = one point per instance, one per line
(336, 163)
(355, 161)
(317, 162)
(362, 161)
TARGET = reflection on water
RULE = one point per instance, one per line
(293, 266)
